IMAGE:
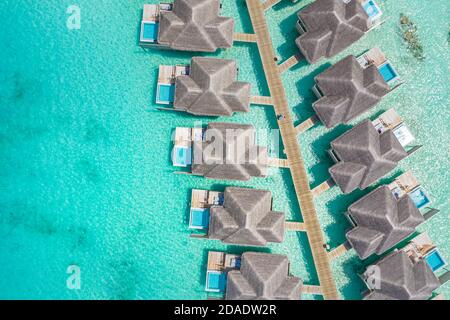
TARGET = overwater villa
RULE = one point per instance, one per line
(238, 216)
(387, 215)
(353, 86)
(187, 25)
(208, 87)
(407, 274)
(222, 151)
(252, 276)
(369, 151)
(327, 27)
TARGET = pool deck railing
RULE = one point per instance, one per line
(292, 148)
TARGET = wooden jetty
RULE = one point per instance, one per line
(292, 148)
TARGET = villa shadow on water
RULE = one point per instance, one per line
(355, 286)
(289, 33)
(260, 87)
(319, 147)
(304, 110)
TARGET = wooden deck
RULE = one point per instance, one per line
(244, 37)
(324, 186)
(289, 63)
(278, 163)
(312, 289)
(292, 149)
(216, 260)
(221, 261)
(261, 100)
(295, 226)
(307, 124)
(339, 251)
(270, 3)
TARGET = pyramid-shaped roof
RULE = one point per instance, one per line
(331, 26)
(246, 218)
(348, 91)
(263, 276)
(382, 221)
(212, 89)
(195, 25)
(364, 156)
(229, 152)
(397, 277)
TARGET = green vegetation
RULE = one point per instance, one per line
(411, 37)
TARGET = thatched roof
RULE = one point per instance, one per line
(195, 25)
(331, 26)
(263, 276)
(236, 155)
(348, 91)
(246, 218)
(211, 89)
(382, 221)
(365, 156)
(400, 278)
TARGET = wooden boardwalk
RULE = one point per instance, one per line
(292, 149)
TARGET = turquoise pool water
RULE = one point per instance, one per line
(150, 31)
(85, 159)
(216, 281)
(435, 260)
(419, 198)
(387, 72)
(200, 218)
(371, 8)
(181, 156)
(166, 93)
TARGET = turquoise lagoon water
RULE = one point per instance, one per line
(85, 172)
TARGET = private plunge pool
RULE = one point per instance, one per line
(435, 260)
(165, 93)
(149, 32)
(199, 219)
(372, 9)
(388, 72)
(216, 281)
